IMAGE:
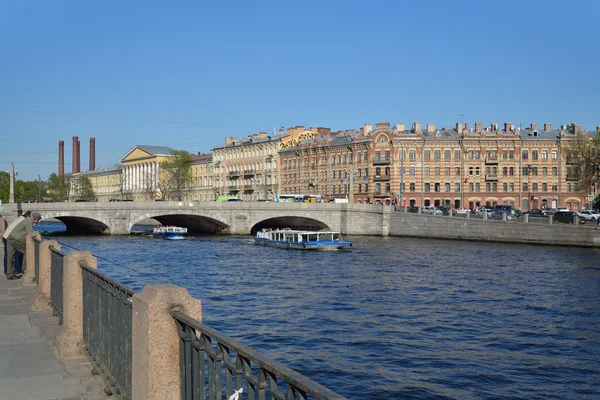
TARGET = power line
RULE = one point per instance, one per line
(117, 118)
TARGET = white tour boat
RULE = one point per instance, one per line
(170, 232)
(301, 240)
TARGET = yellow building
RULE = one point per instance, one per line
(141, 171)
(106, 183)
(201, 188)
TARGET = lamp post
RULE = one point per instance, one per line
(13, 173)
(267, 162)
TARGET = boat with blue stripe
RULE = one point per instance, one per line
(170, 232)
(301, 240)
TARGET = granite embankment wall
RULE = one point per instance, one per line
(458, 228)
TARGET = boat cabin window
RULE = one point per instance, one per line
(336, 236)
(312, 237)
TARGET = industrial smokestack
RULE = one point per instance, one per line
(92, 154)
(78, 156)
(61, 158)
(74, 161)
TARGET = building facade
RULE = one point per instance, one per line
(247, 168)
(201, 187)
(141, 172)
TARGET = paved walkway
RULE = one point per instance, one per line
(30, 368)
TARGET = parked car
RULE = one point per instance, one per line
(550, 211)
(489, 209)
(507, 209)
(498, 216)
(567, 217)
(589, 215)
(413, 209)
(462, 211)
(536, 212)
(431, 210)
(446, 210)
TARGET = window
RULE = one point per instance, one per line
(544, 171)
(511, 154)
(568, 186)
(437, 171)
(544, 187)
(511, 171)
(457, 154)
(366, 156)
(387, 154)
(554, 187)
(366, 188)
(534, 171)
(471, 170)
(426, 171)
(427, 187)
(447, 171)
(524, 154)
(470, 154)
(495, 186)
(411, 171)
(457, 187)
(457, 171)
(477, 187)
(534, 187)
(504, 171)
(512, 187)
(504, 154)
(437, 155)
(525, 187)
(427, 155)
(488, 187)
(412, 187)
(345, 158)
(554, 171)
(447, 155)
(446, 187)
(437, 187)
(544, 154)
(554, 154)
(505, 187)
(477, 171)
(412, 155)
(470, 186)
(525, 171)
(359, 156)
(534, 154)
(402, 154)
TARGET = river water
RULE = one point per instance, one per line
(395, 318)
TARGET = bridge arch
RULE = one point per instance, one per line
(81, 224)
(195, 223)
(289, 221)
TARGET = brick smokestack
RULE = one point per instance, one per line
(78, 156)
(92, 154)
(74, 160)
(61, 158)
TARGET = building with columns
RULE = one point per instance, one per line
(141, 171)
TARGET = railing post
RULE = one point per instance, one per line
(526, 218)
(70, 342)
(43, 298)
(29, 261)
(155, 348)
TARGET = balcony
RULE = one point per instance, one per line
(233, 188)
(491, 160)
(379, 178)
(234, 173)
(383, 194)
(248, 172)
(491, 177)
(381, 161)
(573, 177)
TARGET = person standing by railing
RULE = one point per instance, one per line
(16, 241)
(9, 229)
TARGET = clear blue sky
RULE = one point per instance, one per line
(186, 74)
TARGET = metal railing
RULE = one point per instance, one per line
(56, 282)
(107, 329)
(202, 363)
(36, 252)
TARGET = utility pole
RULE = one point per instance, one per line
(11, 198)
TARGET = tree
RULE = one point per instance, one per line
(4, 186)
(584, 158)
(58, 187)
(81, 187)
(176, 175)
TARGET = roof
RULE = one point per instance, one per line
(156, 150)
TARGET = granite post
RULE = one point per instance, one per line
(29, 260)
(43, 299)
(69, 342)
(155, 348)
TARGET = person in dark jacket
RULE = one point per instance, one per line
(16, 241)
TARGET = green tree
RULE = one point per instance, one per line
(26, 191)
(57, 188)
(176, 175)
(81, 187)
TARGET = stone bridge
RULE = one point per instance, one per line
(236, 218)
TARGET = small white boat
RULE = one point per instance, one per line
(301, 240)
(170, 232)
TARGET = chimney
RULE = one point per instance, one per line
(598, 129)
(368, 129)
(416, 126)
(467, 127)
(478, 126)
(74, 158)
(430, 128)
(533, 127)
(459, 128)
(382, 125)
(92, 154)
(61, 158)
(576, 129)
(507, 127)
(547, 127)
(78, 155)
(400, 127)
(493, 127)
